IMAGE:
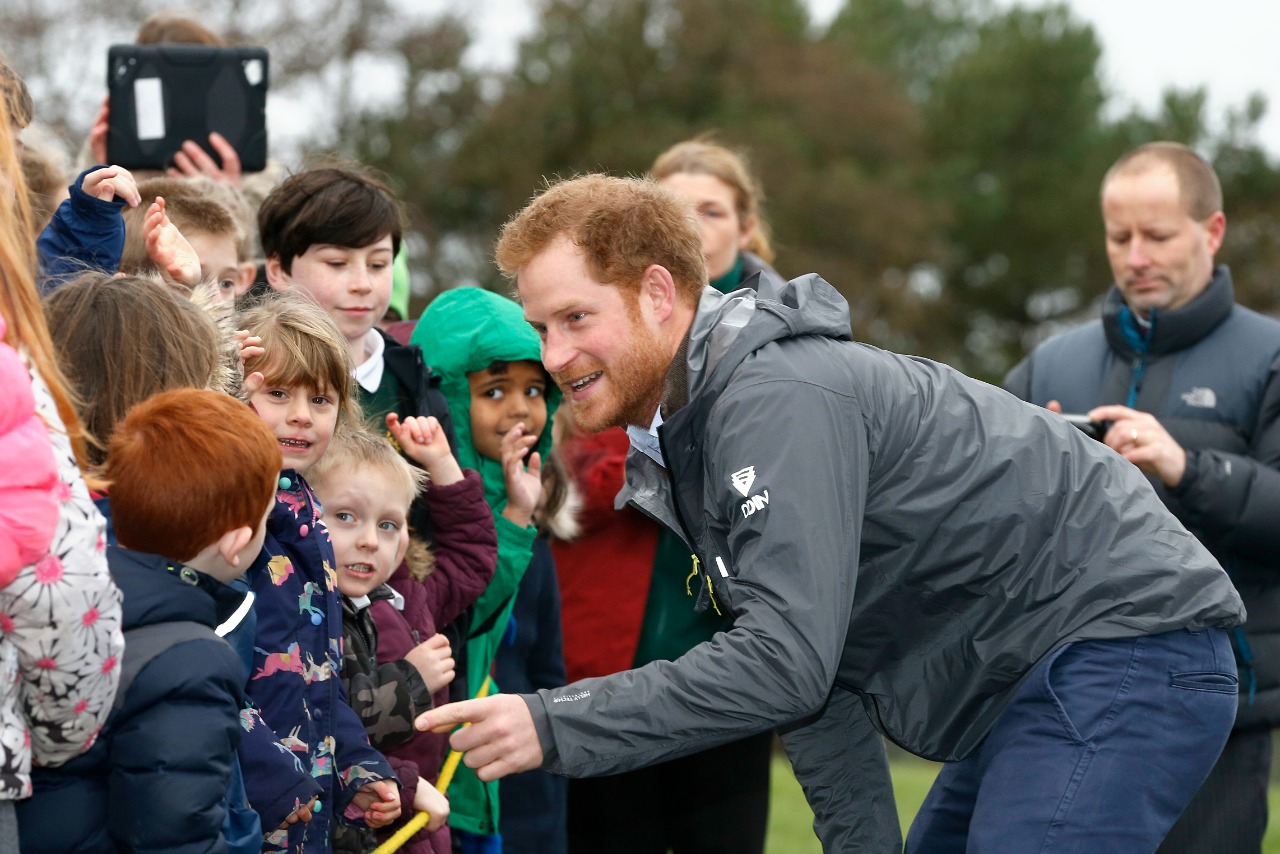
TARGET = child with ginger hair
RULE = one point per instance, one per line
(158, 777)
(367, 489)
(300, 386)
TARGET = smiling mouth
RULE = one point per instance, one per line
(294, 444)
(359, 569)
(579, 385)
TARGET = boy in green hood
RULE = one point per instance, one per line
(489, 363)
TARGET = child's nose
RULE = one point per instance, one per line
(300, 413)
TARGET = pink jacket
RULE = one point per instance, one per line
(28, 475)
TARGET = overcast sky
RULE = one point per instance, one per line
(1148, 45)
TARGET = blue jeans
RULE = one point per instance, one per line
(1101, 748)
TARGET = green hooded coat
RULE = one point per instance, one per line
(466, 330)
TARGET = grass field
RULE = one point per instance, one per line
(791, 820)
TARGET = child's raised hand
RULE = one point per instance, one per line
(111, 182)
(250, 346)
(424, 440)
(524, 485)
(379, 802)
(434, 660)
(430, 800)
(168, 248)
(301, 814)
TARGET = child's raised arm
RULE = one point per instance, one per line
(424, 440)
(168, 248)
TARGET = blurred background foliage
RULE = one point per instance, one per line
(937, 161)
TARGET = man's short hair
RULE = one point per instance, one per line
(1198, 184)
(187, 466)
(302, 347)
(189, 206)
(621, 225)
(356, 448)
(16, 97)
(338, 205)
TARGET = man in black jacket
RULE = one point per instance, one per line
(906, 553)
(1187, 384)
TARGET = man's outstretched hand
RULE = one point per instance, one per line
(501, 739)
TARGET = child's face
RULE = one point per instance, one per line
(367, 517)
(501, 400)
(352, 284)
(218, 261)
(302, 418)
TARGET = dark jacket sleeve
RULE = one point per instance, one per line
(85, 233)
(171, 751)
(276, 782)
(466, 547)
(1233, 498)
(788, 577)
(357, 762)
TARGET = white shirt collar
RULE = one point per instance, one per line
(646, 441)
(369, 372)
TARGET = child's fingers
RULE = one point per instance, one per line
(252, 384)
(535, 465)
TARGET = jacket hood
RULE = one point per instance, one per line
(729, 327)
(466, 330)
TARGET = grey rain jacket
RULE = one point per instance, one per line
(898, 545)
(1211, 375)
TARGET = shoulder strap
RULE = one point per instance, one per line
(146, 642)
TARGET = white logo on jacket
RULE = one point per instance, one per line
(755, 503)
(742, 480)
(1201, 398)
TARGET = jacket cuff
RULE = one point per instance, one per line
(91, 206)
(1189, 475)
(542, 726)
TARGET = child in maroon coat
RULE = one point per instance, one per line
(366, 489)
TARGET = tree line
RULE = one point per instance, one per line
(937, 161)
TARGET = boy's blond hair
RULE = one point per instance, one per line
(190, 207)
(302, 348)
(356, 447)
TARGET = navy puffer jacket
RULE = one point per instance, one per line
(157, 776)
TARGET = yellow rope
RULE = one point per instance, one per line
(419, 821)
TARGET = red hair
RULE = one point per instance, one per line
(221, 460)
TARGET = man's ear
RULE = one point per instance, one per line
(658, 291)
(1216, 228)
(232, 543)
(276, 276)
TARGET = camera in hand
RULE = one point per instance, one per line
(1092, 429)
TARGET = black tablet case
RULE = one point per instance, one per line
(186, 91)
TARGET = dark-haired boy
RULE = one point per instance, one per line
(333, 232)
(158, 776)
